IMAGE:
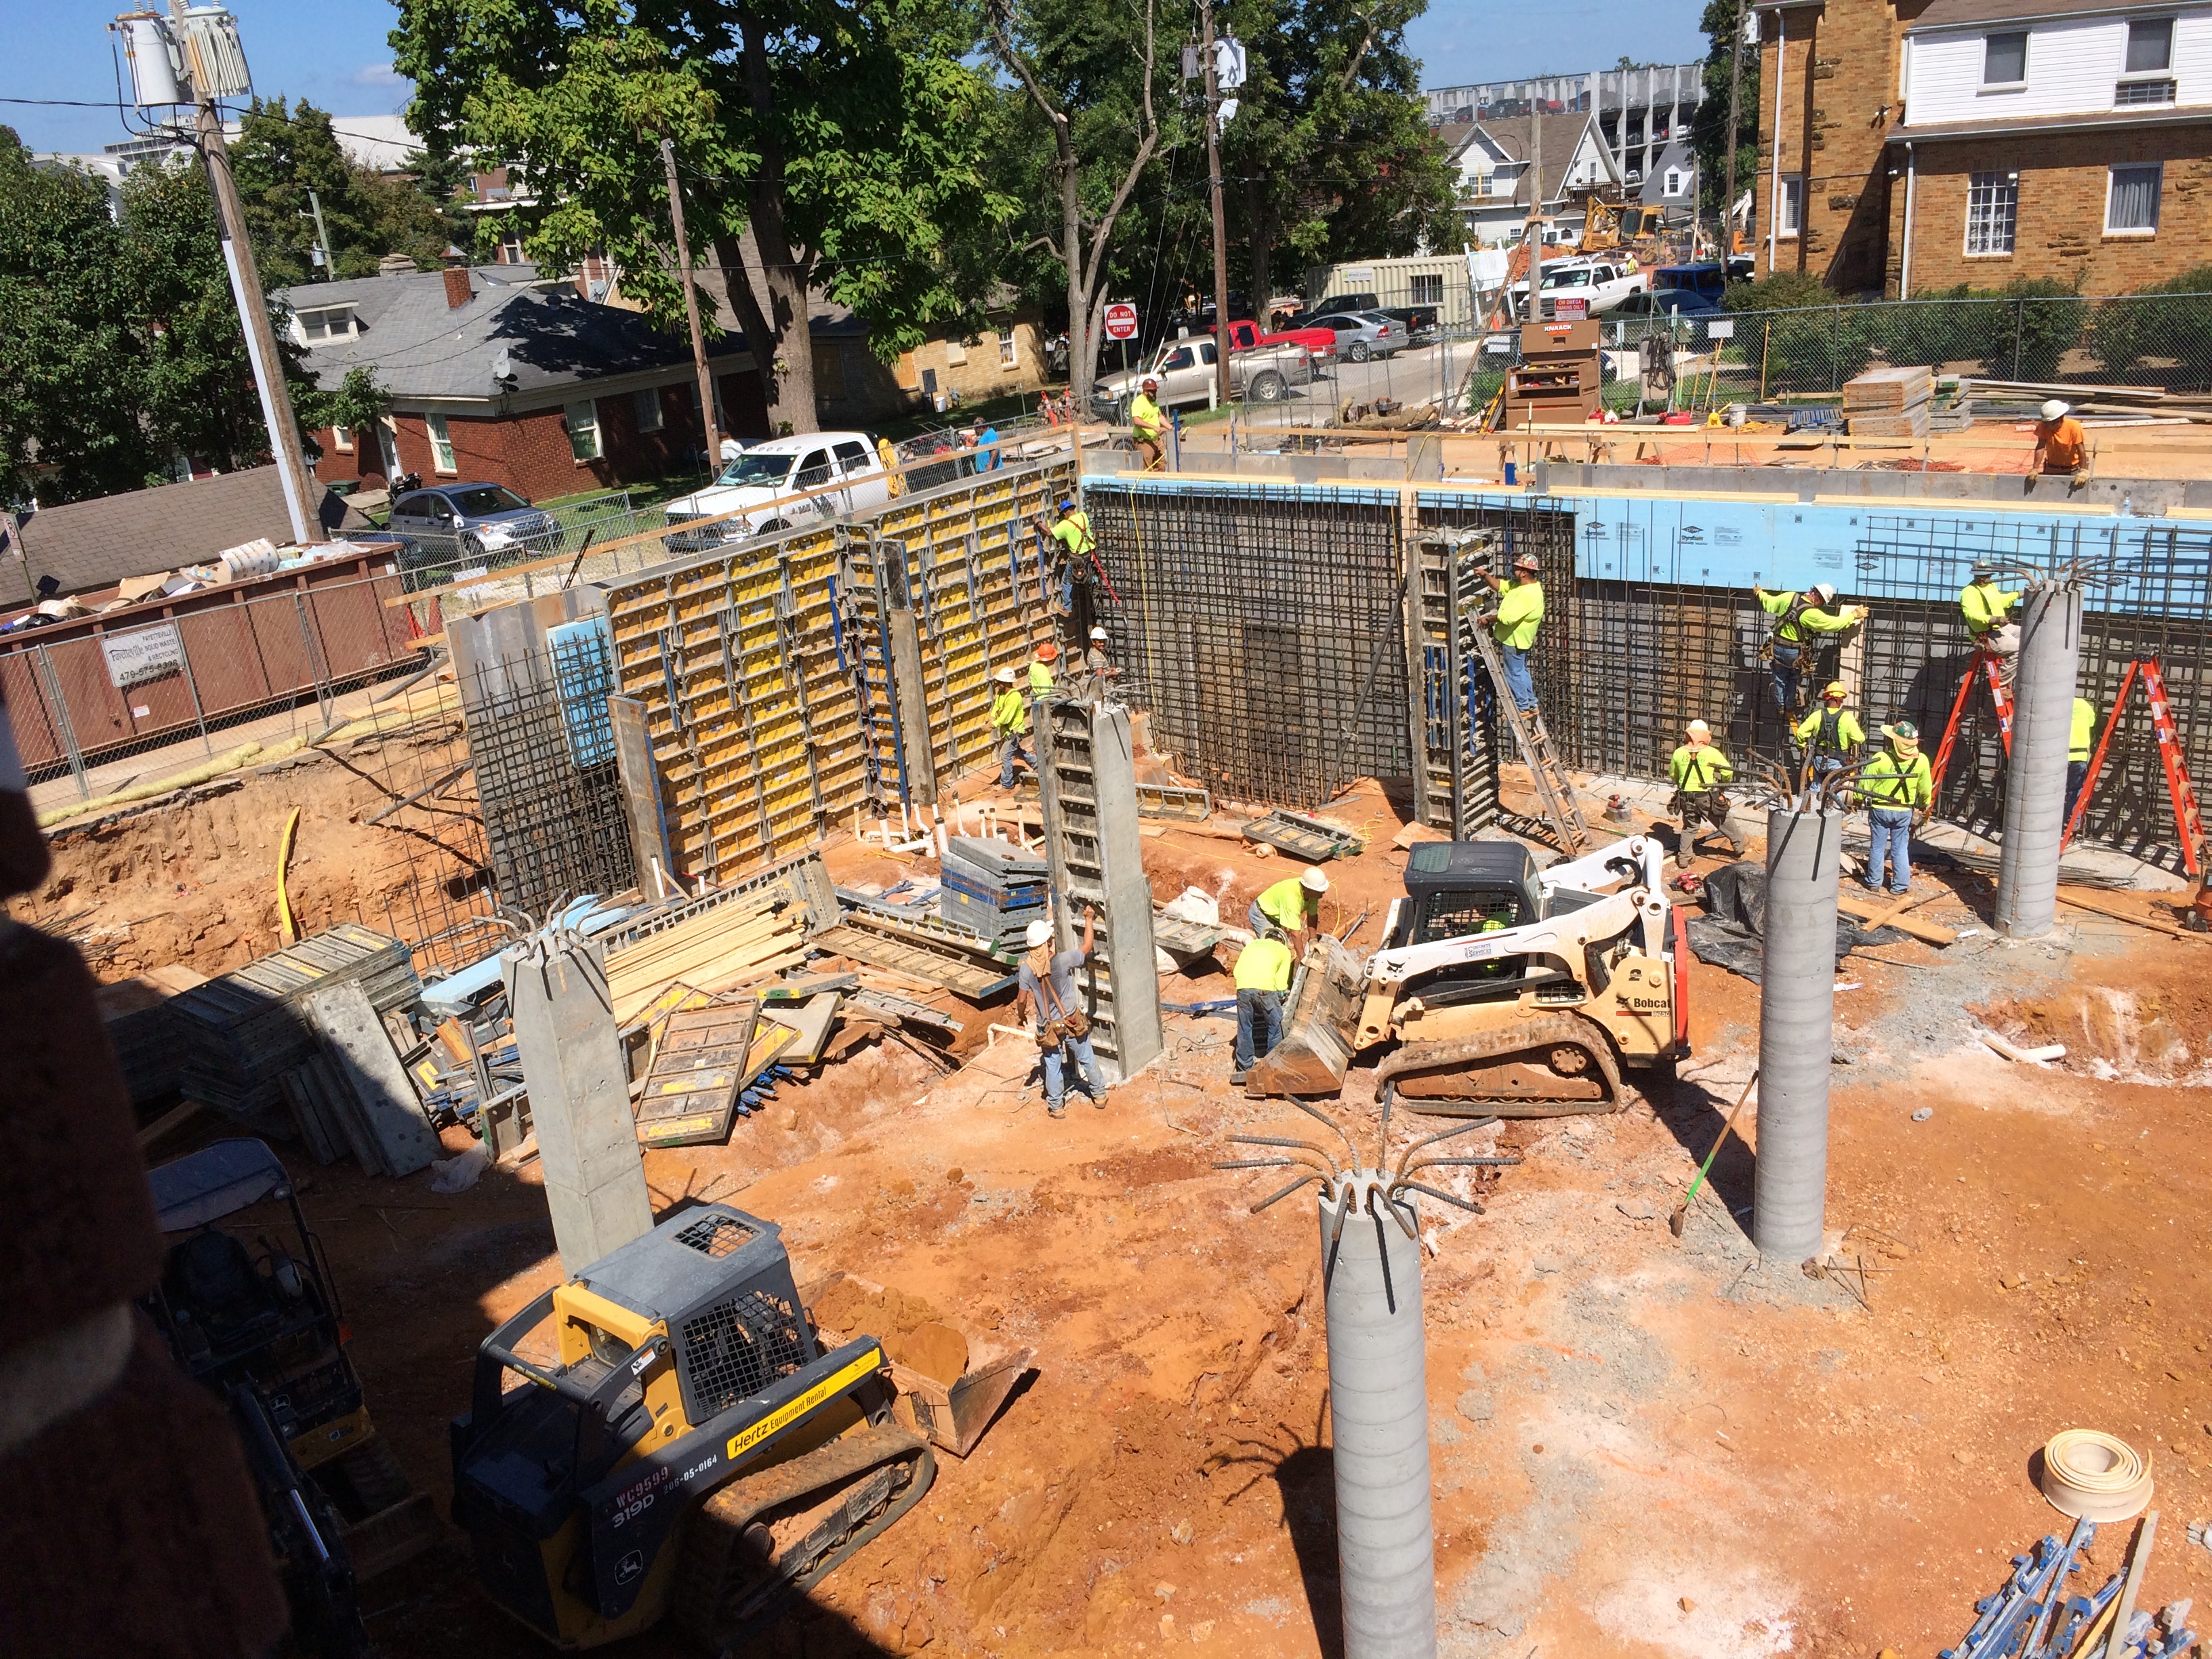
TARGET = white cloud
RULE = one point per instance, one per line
(376, 74)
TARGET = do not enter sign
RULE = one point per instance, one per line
(1120, 322)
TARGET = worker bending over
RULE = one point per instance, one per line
(1150, 424)
(2077, 751)
(1292, 904)
(1988, 610)
(1831, 734)
(1263, 979)
(1798, 617)
(1520, 614)
(2061, 447)
(1700, 770)
(1010, 719)
(1892, 787)
(1045, 993)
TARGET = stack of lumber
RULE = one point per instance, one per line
(733, 943)
(2022, 399)
(1889, 403)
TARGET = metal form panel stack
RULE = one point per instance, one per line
(246, 1028)
(993, 888)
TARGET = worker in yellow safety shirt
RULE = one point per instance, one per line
(1894, 786)
(1700, 770)
(1988, 610)
(1149, 422)
(896, 483)
(1520, 614)
(1072, 532)
(1798, 617)
(1831, 732)
(1263, 978)
(1292, 904)
(1010, 719)
(2077, 751)
(1042, 674)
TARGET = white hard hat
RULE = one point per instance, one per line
(1313, 882)
(1699, 729)
(2056, 409)
(1005, 677)
(1826, 590)
(1097, 632)
(1036, 933)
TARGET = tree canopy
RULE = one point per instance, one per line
(285, 151)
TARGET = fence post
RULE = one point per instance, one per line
(326, 696)
(191, 686)
(66, 726)
(2019, 317)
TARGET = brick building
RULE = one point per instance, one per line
(1912, 145)
(493, 373)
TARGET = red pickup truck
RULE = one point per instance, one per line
(1321, 342)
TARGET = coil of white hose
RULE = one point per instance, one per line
(2093, 1476)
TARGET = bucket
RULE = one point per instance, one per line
(1512, 475)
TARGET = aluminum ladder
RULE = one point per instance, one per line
(1561, 810)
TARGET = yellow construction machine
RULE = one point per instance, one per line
(1606, 226)
(1499, 989)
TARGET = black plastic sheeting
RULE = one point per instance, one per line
(1729, 933)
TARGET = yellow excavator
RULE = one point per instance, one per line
(1499, 989)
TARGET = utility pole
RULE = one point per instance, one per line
(691, 313)
(1735, 82)
(253, 312)
(1536, 205)
(322, 236)
(1214, 189)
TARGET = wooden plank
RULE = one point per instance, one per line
(361, 1050)
(1865, 910)
(168, 1121)
(912, 961)
(2117, 914)
(1889, 911)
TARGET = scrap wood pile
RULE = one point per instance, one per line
(2119, 405)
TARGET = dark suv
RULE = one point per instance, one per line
(460, 524)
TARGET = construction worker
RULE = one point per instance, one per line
(2061, 445)
(888, 457)
(1700, 770)
(1988, 610)
(2077, 751)
(1263, 979)
(1046, 993)
(1892, 787)
(1292, 904)
(1150, 424)
(1090, 679)
(1010, 719)
(1520, 614)
(1798, 617)
(1072, 532)
(1042, 673)
(1832, 731)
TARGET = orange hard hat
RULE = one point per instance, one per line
(1047, 652)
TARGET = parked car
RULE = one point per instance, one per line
(1320, 342)
(1602, 283)
(1185, 371)
(1364, 334)
(477, 524)
(1689, 289)
(841, 471)
(1418, 322)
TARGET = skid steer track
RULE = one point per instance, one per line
(1552, 1065)
(786, 1528)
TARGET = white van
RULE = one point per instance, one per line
(839, 472)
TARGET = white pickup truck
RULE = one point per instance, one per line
(1185, 370)
(1600, 283)
(839, 471)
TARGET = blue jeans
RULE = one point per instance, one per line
(1891, 829)
(1516, 678)
(1787, 661)
(2077, 774)
(1258, 919)
(1010, 747)
(1056, 1060)
(1259, 1025)
(1824, 764)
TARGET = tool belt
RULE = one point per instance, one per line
(1687, 801)
(1064, 1025)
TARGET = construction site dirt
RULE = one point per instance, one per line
(1640, 1444)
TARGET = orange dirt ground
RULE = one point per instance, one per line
(1641, 1446)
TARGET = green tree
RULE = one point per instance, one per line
(1723, 23)
(282, 154)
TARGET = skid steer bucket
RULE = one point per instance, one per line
(951, 1381)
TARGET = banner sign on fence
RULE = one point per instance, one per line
(142, 655)
(1721, 330)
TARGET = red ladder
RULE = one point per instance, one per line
(1988, 664)
(2188, 819)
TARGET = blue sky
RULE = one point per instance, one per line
(333, 52)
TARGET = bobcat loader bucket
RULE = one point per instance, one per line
(951, 1380)
(1319, 1025)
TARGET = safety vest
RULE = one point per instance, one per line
(1891, 783)
(1145, 418)
(1985, 606)
(1831, 731)
(1073, 532)
(1040, 679)
(1009, 713)
(1699, 771)
(1285, 902)
(1264, 965)
(1520, 613)
(2085, 727)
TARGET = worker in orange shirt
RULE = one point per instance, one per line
(2061, 445)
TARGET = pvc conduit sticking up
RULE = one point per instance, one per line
(1797, 1017)
(2035, 778)
(1378, 1404)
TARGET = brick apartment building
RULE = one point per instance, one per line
(493, 374)
(1912, 145)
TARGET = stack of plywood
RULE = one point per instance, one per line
(730, 945)
(1889, 403)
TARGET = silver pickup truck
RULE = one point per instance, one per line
(1185, 370)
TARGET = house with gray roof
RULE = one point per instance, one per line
(1493, 160)
(496, 373)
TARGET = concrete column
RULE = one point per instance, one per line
(1796, 1016)
(572, 1064)
(2035, 776)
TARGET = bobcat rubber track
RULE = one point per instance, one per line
(727, 1591)
(1508, 1072)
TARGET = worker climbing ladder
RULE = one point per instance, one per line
(1553, 788)
(2188, 819)
(1985, 663)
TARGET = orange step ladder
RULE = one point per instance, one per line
(1987, 663)
(2188, 819)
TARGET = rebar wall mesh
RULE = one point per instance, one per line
(1264, 630)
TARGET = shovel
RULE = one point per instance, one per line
(1682, 1210)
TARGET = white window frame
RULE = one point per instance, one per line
(442, 460)
(644, 408)
(342, 437)
(2165, 72)
(1010, 352)
(580, 420)
(2027, 45)
(2157, 169)
(1672, 183)
(1789, 211)
(333, 322)
(2003, 190)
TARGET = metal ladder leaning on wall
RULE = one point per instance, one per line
(1087, 769)
(1553, 788)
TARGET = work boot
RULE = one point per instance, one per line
(1735, 847)
(1236, 1079)
(1055, 1108)
(1685, 854)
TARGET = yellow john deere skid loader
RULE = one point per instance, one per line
(691, 1453)
(1499, 989)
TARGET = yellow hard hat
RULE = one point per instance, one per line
(1835, 689)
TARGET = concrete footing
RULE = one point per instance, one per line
(1796, 1020)
(2035, 776)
